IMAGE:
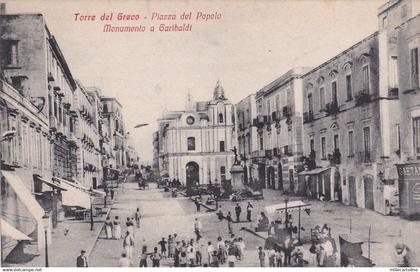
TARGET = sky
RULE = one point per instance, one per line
(253, 43)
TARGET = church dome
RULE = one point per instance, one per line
(219, 92)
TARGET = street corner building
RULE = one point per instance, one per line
(195, 145)
(57, 138)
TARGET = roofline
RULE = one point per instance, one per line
(374, 34)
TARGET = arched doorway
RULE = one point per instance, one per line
(368, 186)
(270, 173)
(192, 174)
(280, 171)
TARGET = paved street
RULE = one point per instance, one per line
(164, 215)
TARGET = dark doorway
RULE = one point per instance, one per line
(270, 177)
(261, 175)
(368, 184)
(337, 187)
(327, 185)
(94, 183)
(291, 181)
(192, 174)
(280, 173)
(352, 192)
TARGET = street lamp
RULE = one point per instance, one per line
(46, 223)
(91, 208)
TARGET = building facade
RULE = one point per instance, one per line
(279, 131)
(196, 144)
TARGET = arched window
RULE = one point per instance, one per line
(191, 143)
(220, 118)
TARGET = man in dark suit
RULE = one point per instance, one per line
(82, 260)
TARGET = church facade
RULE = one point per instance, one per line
(195, 144)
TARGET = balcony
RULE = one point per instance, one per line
(258, 154)
(332, 108)
(287, 111)
(50, 77)
(276, 116)
(365, 156)
(260, 120)
(276, 152)
(363, 97)
(335, 157)
(308, 117)
(268, 153)
(287, 150)
(53, 123)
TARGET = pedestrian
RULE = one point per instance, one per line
(271, 257)
(221, 247)
(128, 244)
(137, 217)
(183, 260)
(177, 254)
(124, 261)
(171, 246)
(401, 255)
(249, 209)
(261, 256)
(279, 257)
(197, 229)
(231, 258)
(130, 226)
(229, 220)
(191, 257)
(288, 248)
(238, 211)
(162, 244)
(198, 255)
(108, 228)
(143, 257)
(241, 247)
(156, 257)
(220, 214)
(197, 204)
(112, 193)
(210, 250)
(81, 260)
(117, 228)
(215, 260)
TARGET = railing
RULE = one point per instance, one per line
(365, 156)
(332, 108)
(287, 111)
(308, 117)
(362, 97)
(276, 116)
(258, 154)
(268, 153)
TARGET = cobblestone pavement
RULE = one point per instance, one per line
(163, 215)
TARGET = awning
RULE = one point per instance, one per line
(314, 171)
(12, 232)
(52, 184)
(24, 195)
(79, 186)
(291, 207)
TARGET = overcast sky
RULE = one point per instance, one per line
(253, 43)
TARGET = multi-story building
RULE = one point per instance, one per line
(87, 136)
(279, 131)
(26, 153)
(44, 78)
(246, 113)
(399, 23)
(155, 164)
(196, 144)
(131, 155)
(351, 112)
(112, 113)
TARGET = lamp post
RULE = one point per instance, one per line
(91, 208)
(46, 222)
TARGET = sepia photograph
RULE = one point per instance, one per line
(206, 134)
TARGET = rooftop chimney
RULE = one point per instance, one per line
(2, 8)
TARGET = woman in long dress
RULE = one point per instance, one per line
(117, 228)
(108, 228)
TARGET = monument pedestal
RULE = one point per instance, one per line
(237, 177)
